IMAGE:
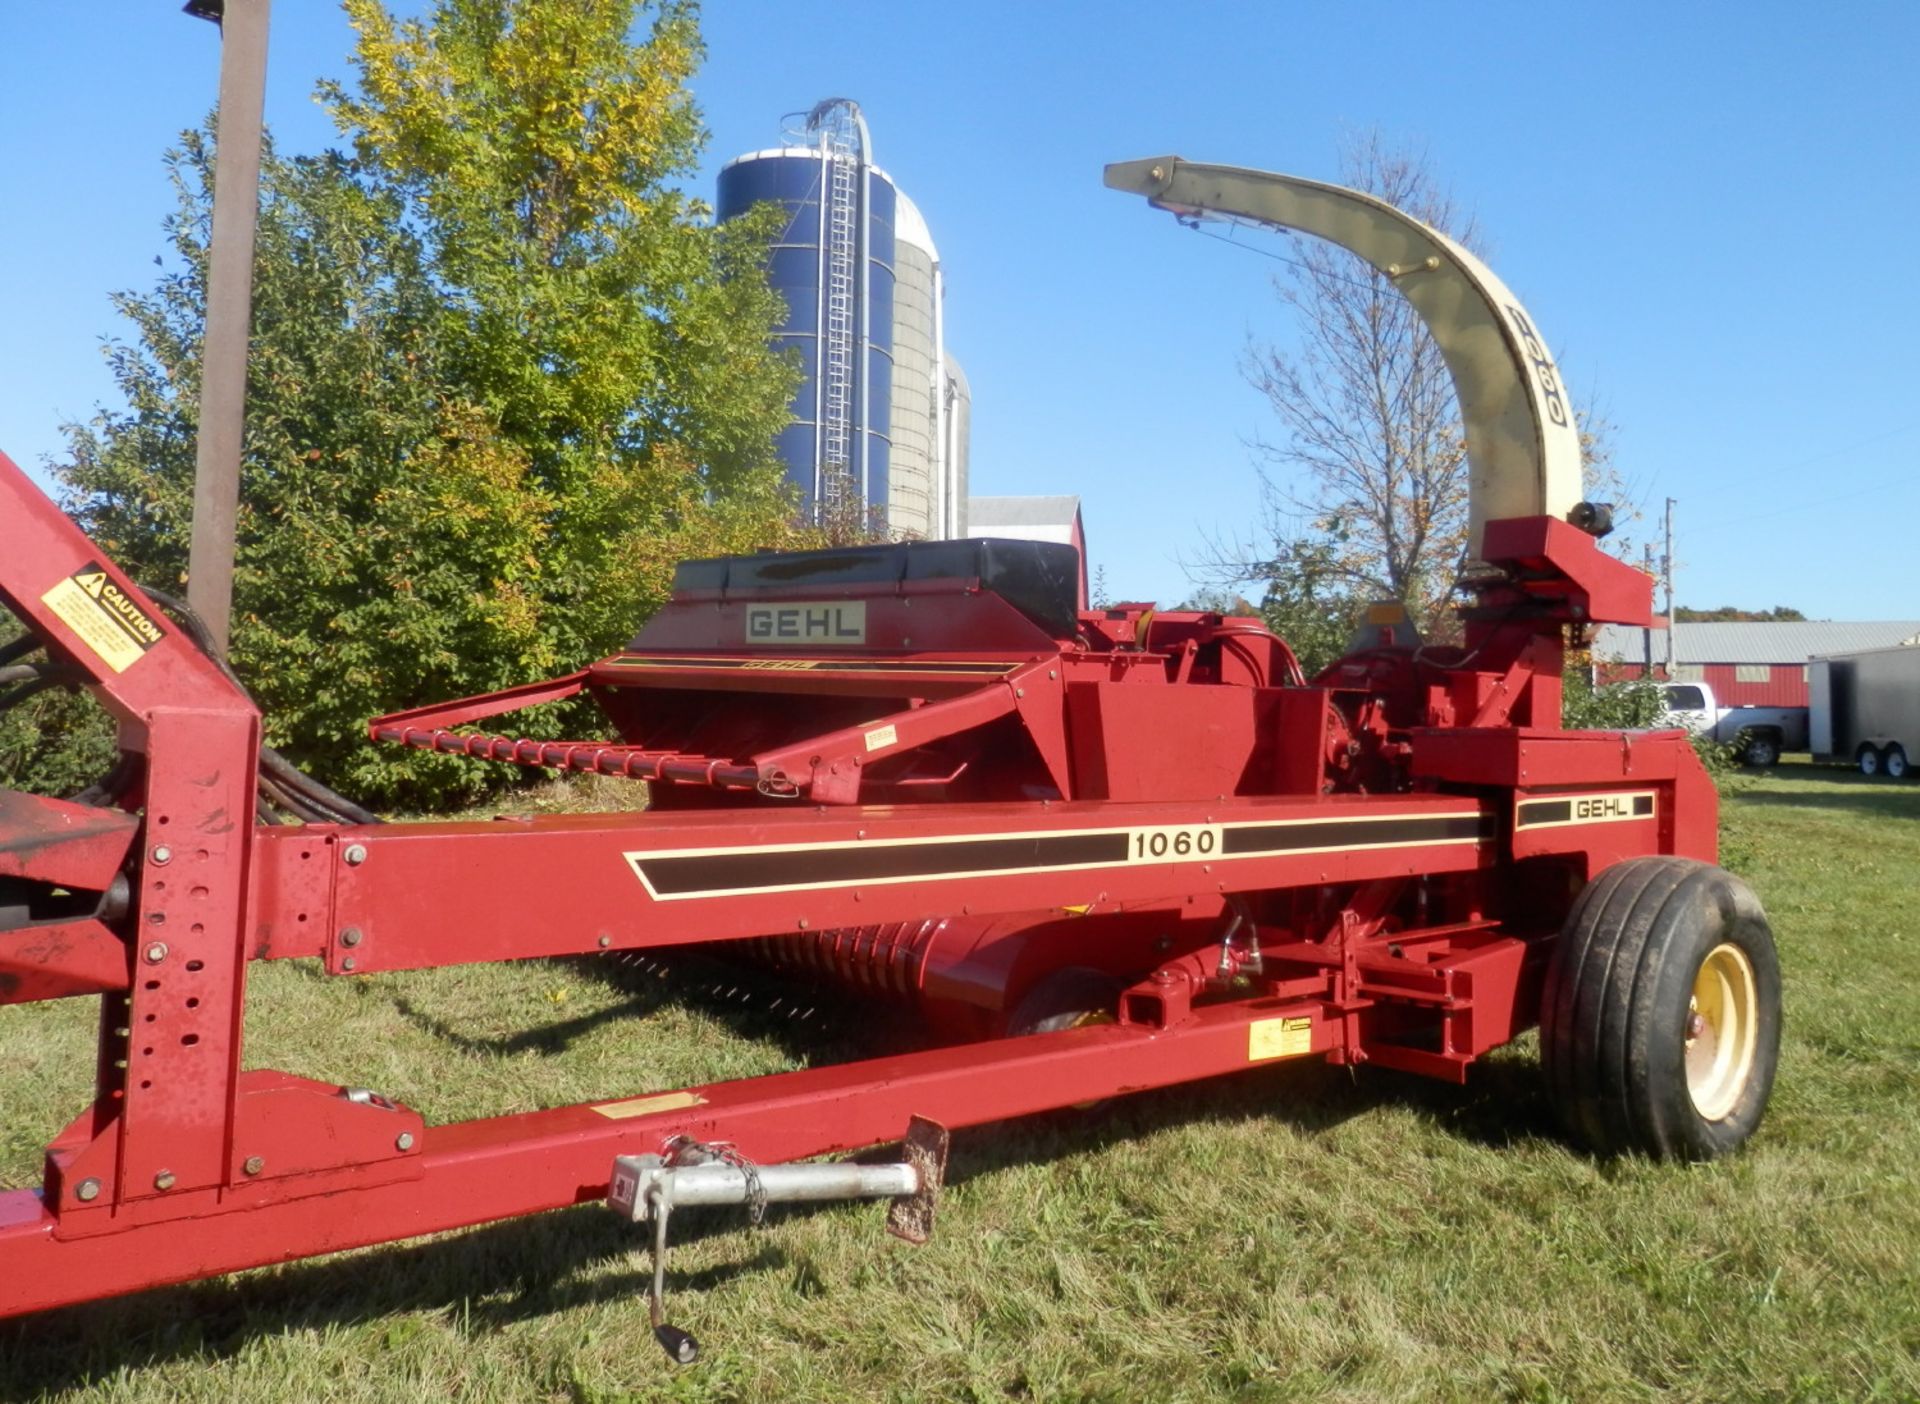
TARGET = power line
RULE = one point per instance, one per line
(1802, 508)
(1827, 454)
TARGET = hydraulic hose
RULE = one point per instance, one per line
(297, 792)
(284, 787)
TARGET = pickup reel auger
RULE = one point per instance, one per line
(1099, 850)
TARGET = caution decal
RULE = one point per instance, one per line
(104, 617)
(1290, 1037)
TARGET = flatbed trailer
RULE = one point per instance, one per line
(1101, 850)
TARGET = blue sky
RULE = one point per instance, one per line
(1708, 209)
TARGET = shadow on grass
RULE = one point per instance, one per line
(1873, 797)
(1504, 1104)
(806, 1026)
(485, 1278)
(521, 1269)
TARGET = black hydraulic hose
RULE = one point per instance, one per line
(51, 677)
(20, 672)
(327, 806)
(313, 792)
(109, 787)
(289, 788)
(15, 649)
(281, 801)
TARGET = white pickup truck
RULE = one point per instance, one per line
(1759, 735)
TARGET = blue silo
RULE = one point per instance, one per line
(832, 261)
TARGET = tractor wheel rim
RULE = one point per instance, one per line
(1723, 1031)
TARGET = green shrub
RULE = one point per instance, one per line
(1624, 706)
(55, 742)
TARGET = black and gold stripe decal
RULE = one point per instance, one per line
(1321, 836)
(1604, 807)
(814, 665)
(796, 867)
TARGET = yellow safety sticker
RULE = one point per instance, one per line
(647, 1106)
(104, 618)
(1279, 1038)
(882, 736)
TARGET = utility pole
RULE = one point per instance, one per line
(1646, 634)
(223, 358)
(1666, 573)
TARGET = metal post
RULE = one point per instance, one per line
(1646, 634)
(941, 524)
(223, 376)
(1666, 572)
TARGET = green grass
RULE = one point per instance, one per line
(1295, 1233)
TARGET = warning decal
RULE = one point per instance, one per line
(107, 621)
(1279, 1038)
(648, 1106)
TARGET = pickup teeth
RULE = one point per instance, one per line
(714, 990)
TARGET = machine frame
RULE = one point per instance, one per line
(1372, 866)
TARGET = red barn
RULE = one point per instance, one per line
(1746, 664)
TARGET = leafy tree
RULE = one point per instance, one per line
(1214, 601)
(503, 376)
(1364, 491)
(618, 338)
(1310, 604)
(1629, 705)
(359, 573)
(1305, 600)
(1372, 453)
(1100, 597)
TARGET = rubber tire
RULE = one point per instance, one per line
(1868, 760)
(1613, 1015)
(1893, 763)
(1761, 752)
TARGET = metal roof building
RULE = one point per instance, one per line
(1032, 519)
(1760, 663)
(1025, 518)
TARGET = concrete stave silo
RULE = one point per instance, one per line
(956, 437)
(912, 490)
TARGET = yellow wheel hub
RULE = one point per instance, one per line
(1723, 1031)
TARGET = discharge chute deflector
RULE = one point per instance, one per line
(1523, 449)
